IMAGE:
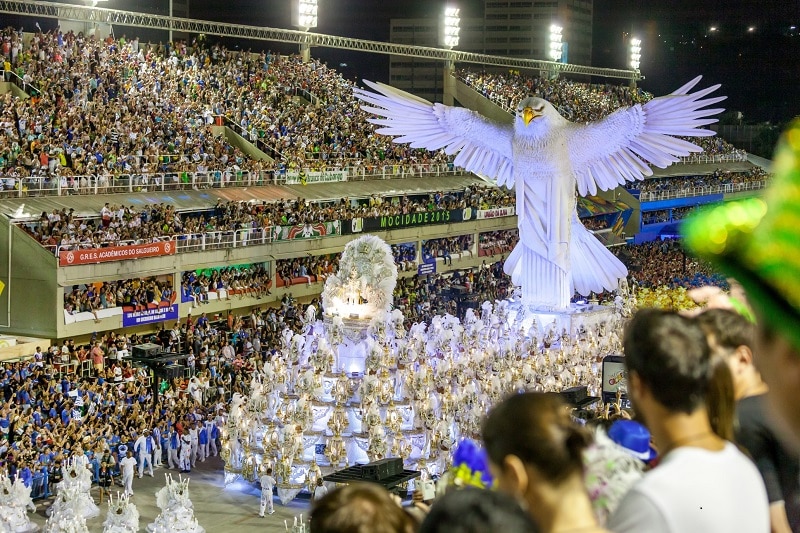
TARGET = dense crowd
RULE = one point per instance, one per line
(312, 268)
(85, 116)
(83, 125)
(497, 242)
(659, 216)
(135, 293)
(119, 224)
(664, 263)
(685, 184)
(445, 247)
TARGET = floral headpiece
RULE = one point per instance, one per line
(470, 466)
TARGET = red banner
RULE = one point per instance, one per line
(115, 253)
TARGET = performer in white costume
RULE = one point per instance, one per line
(186, 453)
(144, 450)
(545, 156)
(177, 514)
(267, 484)
(122, 517)
(75, 486)
(15, 502)
(174, 444)
(127, 465)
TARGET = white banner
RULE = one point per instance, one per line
(313, 176)
(498, 212)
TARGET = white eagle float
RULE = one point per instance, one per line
(545, 157)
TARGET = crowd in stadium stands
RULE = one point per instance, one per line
(89, 96)
(224, 283)
(444, 248)
(102, 108)
(497, 242)
(422, 297)
(115, 224)
(663, 263)
(578, 102)
(49, 415)
(666, 215)
(134, 293)
(718, 178)
(308, 270)
(405, 256)
(595, 223)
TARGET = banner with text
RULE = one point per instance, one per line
(409, 220)
(498, 212)
(313, 176)
(147, 316)
(115, 253)
(426, 268)
(306, 231)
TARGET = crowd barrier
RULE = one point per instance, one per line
(651, 196)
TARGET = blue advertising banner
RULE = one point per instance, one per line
(426, 268)
(146, 316)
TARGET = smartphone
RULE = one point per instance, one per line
(615, 377)
(428, 489)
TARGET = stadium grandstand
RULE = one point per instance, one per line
(194, 157)
(198, 197)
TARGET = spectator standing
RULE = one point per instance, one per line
(702, 483)
(97, 358)
(730, 337)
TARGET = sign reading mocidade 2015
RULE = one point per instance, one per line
(408, 220)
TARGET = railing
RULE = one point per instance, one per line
(27, 88)
(728, 188)
(20, 187)
(737, 156)
(258, 143)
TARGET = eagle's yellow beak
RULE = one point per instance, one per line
(529, 114)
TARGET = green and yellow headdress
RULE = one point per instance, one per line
(757, 241)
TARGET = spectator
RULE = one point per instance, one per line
(730, 337)
(700, 478)
(359, 507)
(472, 510)
(535, 453)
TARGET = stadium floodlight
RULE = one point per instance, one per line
(451, 26)
(304, 14)
(636, 53)
(556, 46)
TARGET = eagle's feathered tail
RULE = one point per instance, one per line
(594, 267)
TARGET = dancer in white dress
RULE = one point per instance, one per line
(122, 517)
(177, 515)
(15, 501)
(78, 480)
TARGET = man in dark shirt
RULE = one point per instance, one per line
(731, 336)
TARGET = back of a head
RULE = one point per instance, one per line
(536, 428)
(670, 354)
(359, 508)
(474, 510)
(728, 328)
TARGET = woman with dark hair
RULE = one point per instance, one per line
(535, 454)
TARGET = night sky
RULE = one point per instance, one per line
(759, 68)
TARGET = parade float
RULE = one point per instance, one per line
(357, 386)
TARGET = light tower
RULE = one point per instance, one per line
(635, 54)
(304, 17)
(556, 47)
(448, 38)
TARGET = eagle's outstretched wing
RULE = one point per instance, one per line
(483, 146)
(619, 148)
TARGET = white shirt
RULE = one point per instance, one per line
(267, 483)
(127, 464)
(696, 491)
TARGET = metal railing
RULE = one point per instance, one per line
(728, 188)
(35, 186)
(737, 156)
